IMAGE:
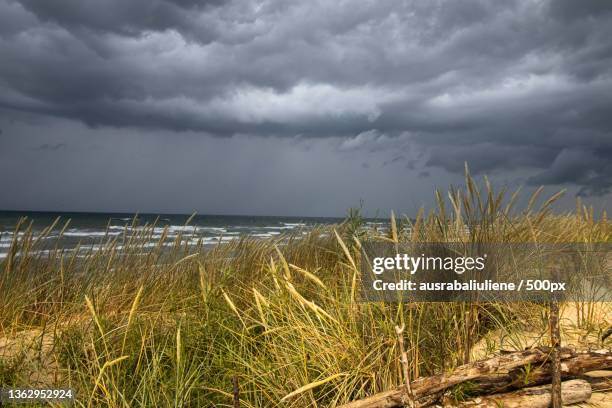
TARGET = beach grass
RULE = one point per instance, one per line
(129, 324)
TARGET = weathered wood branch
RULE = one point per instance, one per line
(572, 392)
(431, 385)
(555, 358)
(599, 384)
(498, 374)
(573, 366)
(406, 368)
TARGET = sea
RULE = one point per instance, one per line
(90, 230)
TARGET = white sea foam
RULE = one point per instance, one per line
(31, 253)
(215, 240)
(265, 235)
(191, 235)
(284, 227)
(89, 233)
(181, 228)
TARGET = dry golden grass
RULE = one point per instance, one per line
(131, 325)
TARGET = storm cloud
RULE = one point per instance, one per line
(520, 88)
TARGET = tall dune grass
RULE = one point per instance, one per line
(134, 325)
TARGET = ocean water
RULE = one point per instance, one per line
(90, 230)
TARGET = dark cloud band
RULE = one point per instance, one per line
(503, 85)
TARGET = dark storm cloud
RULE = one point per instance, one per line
(589, 169)
(503, 85)
(50, 147)
(569, 10)
(128, 18)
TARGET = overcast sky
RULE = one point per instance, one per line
(299, 107)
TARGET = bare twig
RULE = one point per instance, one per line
(236, 392)
(404, 360)
(555, 337)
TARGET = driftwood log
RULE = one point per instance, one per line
(600, 384)
(499, 374)
(573, 365)
(572, 392)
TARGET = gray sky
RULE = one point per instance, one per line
(299, 107)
